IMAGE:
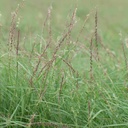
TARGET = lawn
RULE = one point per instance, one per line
(63, 64)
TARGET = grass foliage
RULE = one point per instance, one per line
(66, 74)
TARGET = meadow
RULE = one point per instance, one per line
(63, 64)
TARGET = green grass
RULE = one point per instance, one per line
(60, 92)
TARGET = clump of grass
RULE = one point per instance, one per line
(49, 91)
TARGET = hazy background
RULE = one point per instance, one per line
(112, 16)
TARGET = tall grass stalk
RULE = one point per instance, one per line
(124, 52)
(91, 60)
(96, 35)
(17, 56)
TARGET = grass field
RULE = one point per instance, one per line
(63, 64)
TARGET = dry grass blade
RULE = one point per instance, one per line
(69, 65)
(31, 121)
